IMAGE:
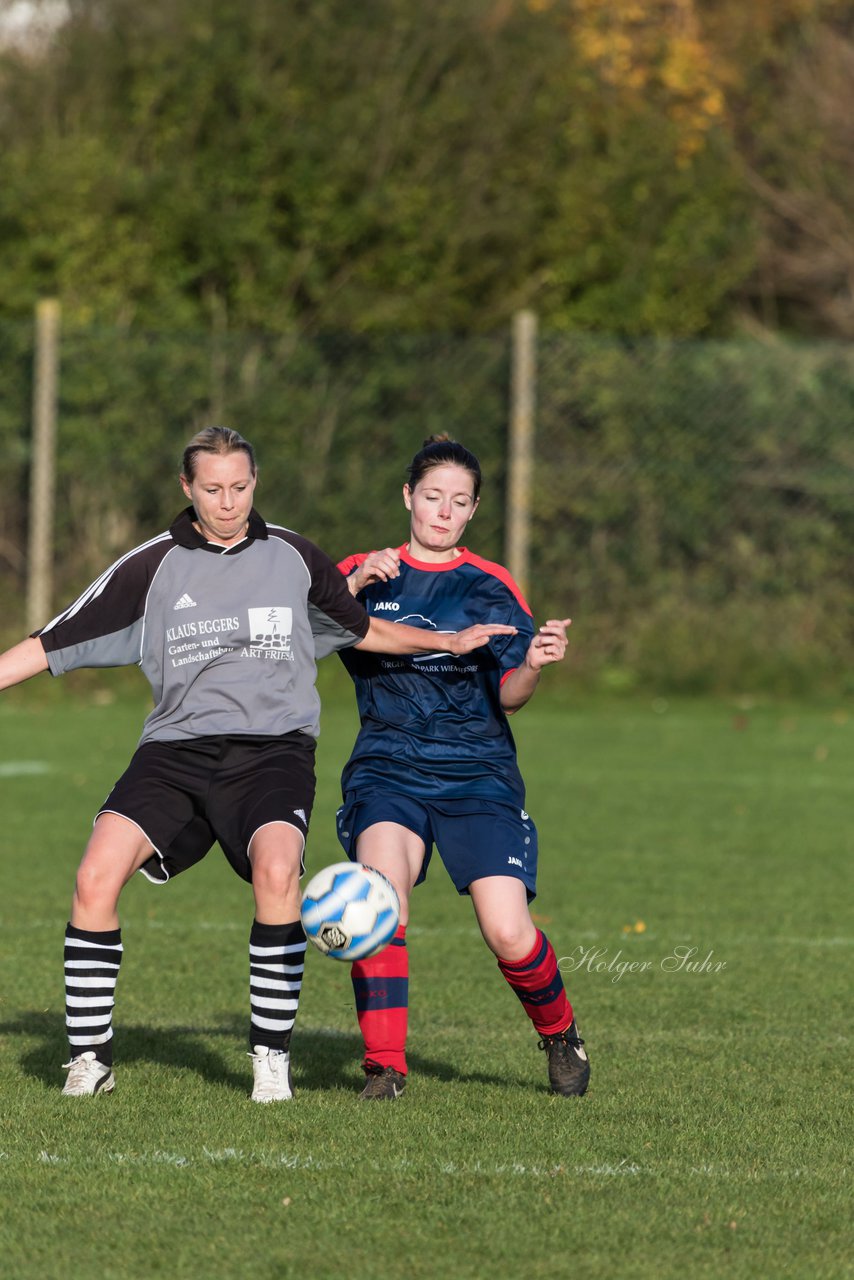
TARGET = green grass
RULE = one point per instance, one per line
(716, 1136)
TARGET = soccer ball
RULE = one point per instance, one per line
(349, 911)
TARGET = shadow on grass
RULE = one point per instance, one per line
(332, 1060)
(180, 1047)
(322, 1059)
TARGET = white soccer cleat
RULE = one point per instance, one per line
(87, 1076)
(272, 1071)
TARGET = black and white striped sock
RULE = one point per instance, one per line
(276, 963)
(91, 970)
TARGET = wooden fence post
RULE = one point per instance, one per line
(521, 447)
(43, 466)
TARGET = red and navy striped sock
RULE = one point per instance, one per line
(381, 988)
(537, 982)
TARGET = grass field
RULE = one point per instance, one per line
(715, 1140)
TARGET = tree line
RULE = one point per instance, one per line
(664, 167)
(314, 219)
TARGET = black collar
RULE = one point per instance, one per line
(187, 535)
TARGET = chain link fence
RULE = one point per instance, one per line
(696, 503)
(692, 502)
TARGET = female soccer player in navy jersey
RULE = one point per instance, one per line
(226, 615)
(435, 763)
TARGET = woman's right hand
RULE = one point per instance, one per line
(462, 642)
(379, 566)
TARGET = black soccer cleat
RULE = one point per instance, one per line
(569, 1067)
(384, 1084)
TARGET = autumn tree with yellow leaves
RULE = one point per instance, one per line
(625, 167)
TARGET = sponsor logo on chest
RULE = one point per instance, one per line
(270, 631)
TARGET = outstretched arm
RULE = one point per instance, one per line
(547, 646)
(396, 637)
(21, 662)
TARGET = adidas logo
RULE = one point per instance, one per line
(186, 602)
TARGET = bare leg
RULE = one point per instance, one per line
(275, 852)
(398, 853)
(116, 849)
(501, 906)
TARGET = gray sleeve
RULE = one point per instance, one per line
(118, 649)
(104, 626)
(337, 620)
(329, 635)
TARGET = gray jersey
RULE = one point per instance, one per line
(228, 637)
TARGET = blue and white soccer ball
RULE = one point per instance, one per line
(349, 911)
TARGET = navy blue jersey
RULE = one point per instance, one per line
(432, 724)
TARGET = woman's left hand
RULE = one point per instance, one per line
(549, 644)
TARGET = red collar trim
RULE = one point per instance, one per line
(434, 566)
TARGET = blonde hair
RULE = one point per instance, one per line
(215, 440)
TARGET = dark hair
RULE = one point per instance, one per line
(215, 440)
(442, 451)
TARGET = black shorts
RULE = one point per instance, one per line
(184, 796)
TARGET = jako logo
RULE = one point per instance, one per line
(389, 605)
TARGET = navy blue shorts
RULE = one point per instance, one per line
(475, 838)
(186, 795)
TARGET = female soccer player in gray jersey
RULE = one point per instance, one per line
(226, 615)
(435, 762)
